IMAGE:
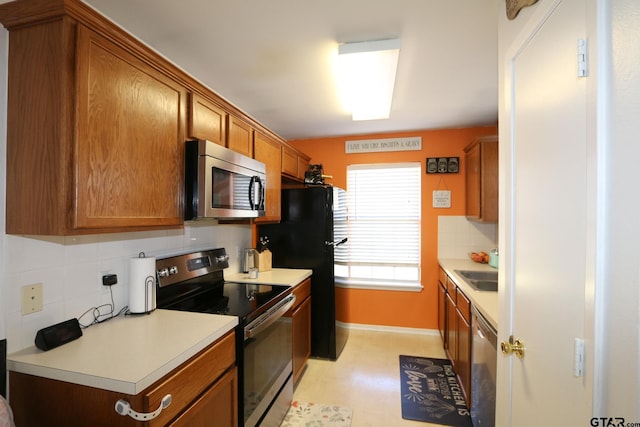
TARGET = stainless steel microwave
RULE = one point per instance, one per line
(220, 183)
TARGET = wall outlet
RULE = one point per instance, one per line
(31, 298)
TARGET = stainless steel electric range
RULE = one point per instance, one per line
(195, 282)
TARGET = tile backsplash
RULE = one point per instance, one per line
(71, 269)
(457, 237)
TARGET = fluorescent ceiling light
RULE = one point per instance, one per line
(366, 76)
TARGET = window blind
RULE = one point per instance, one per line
(382, 225)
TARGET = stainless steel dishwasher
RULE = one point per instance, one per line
(484, 356)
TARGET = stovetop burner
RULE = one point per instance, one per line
(194, 282)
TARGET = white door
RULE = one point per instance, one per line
(546, 222)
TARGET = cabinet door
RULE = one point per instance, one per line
(207, 120)
(452, 328)
(303, 165)
(217, 407)
(442, 313)
(294, 163)
(289, 162)
(129, 139)
(240, 136)
(472, 170)
(268, 152)
(481, 159)
(301, 324)
(463, 365)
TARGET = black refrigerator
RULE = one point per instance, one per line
(306, 238)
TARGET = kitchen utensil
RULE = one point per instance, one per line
(262, 244)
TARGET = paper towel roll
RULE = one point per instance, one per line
(142, 284)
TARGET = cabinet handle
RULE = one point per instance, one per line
(124, 408)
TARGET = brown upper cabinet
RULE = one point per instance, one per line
(294, 163)
(268, 151)
(239, 136)
(207, 120)
(96, 124)
(481, 160)
(94, 134)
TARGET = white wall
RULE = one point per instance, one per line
(71, 268)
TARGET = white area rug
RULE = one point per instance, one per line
(304, 414)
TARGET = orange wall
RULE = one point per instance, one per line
(396, 308)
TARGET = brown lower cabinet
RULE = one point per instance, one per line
(300, 315)
(463, 362)
(204, 392)
(454, 323)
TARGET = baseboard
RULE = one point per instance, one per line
(394, 329)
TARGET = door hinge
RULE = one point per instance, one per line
(578, 357)
(582, 58)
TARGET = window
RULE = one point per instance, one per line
(382, 226)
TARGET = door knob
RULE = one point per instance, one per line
(513, 347)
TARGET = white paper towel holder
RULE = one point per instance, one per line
(147, 286)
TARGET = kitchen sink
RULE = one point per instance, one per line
(480, 280)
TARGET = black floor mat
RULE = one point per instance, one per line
(431, 392)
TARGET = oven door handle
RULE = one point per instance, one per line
(269, 318)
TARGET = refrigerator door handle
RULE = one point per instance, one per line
(338, 243)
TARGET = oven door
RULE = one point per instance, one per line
(268, 372)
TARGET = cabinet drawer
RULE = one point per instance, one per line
(451, 289)
(464, 306)
(442, 277)
(189, 381)
(301, 291)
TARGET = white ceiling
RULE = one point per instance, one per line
(273, 58)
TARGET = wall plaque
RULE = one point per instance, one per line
(382, 145)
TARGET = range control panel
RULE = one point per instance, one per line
(188, 266)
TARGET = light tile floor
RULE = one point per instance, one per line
(366, 376)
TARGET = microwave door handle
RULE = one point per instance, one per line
(251, 184)
(261, 193)
(252, 202)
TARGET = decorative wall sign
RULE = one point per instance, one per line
(441, 199)
(443, 164)
(514, 6)
(382, 145)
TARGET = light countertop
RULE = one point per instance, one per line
(275, 276)
(485, 302)
(126, 354)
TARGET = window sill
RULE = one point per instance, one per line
(377, 285)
